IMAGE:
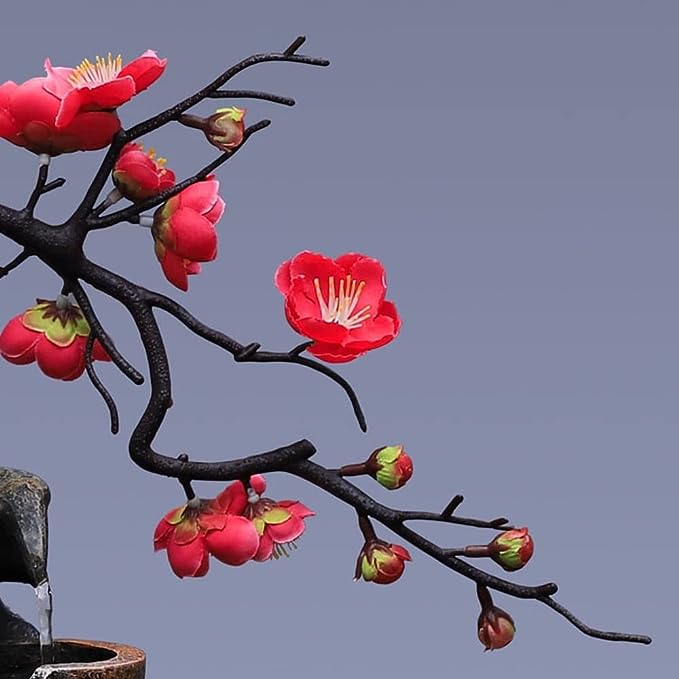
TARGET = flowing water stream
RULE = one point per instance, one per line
(43, 595)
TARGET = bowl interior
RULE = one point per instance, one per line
(19, 661)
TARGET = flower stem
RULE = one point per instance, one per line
(359, 469)
(191, 120)
(366, 528)
(484, 597)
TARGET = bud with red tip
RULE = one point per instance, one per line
(512, 549)
(495, 627)
(381, 562)
(378, 561)
(390, 466)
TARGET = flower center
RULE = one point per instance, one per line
(101, 71)
(340, 307)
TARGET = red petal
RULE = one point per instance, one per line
(265, 548)
(194, 236)
(296, 508)
(69, 107)
(315, 265)
(214, 214)
(333, 353)
(175, 270)
(200, 196)
(189, 560)
(287, 531)
(144, 70)
(61, 362)
(57, 81)
(401, 552)
(328, 333)
(31, 102)
(17, 343)
(162, 535)
(301, 299)
(89, 131)
(111, 94)
(372, 272)
(236, 543)
(374, 333)
(233, 499)
(282, 277)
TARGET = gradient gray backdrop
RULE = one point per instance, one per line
(514, 165)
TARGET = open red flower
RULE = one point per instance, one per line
(53, 334)
(184, 230)
(138, 174)
(73, 109)
(338, 303)
(200, 528)
(278, 523)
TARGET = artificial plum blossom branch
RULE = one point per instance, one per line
(61, 250)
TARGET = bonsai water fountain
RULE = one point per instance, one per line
(27, 652)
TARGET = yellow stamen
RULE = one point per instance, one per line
(340, 308)
(101, 71)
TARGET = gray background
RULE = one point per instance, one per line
(514, 165)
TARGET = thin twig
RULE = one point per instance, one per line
(99, 385)
(17, 261)
(118, 359)
(251, 94)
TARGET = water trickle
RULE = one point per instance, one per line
(43, 595)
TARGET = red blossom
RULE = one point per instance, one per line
(184, 230)
(200, 528)
(338, 303)
(139, 175)
(73, 109)
(278, 523)
(52, 334)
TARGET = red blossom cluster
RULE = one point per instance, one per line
(237, 526)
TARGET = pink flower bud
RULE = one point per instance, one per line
(512, 549)
(390, 466)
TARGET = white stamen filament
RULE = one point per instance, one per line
(340, 308)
